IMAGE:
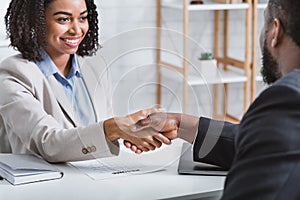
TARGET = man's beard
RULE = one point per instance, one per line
(270, 69)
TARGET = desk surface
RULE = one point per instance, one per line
(165, 184)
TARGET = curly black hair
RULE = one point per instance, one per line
(288, 12)
(25, 27)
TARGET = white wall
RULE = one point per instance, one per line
(4, 50)
(2, 14)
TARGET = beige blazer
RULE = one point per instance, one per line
(36, 117)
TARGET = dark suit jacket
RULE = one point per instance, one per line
(262, 153)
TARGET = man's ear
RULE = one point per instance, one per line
(276, 33)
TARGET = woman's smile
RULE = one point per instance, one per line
(72, 42)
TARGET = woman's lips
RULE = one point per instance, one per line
(72, 42)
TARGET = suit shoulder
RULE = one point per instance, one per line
(16, 64)
(284, 92)
(291, 80)
(95, 66)
(24, 71)
(284, 88)
(15, 59)
(95, 62)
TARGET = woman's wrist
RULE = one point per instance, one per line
(111, 130)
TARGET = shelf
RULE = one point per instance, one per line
(220, 77)
(207, 6)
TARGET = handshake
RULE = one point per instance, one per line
(148, 129)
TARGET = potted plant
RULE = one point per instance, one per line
(206, 56)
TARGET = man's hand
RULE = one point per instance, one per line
(138, 141)
(171, 125)
(165, 123)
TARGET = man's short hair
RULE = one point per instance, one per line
(288, 12)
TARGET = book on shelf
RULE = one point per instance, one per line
(22, 168)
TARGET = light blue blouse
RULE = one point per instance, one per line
(73, 86)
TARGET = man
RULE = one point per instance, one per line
(262, 153)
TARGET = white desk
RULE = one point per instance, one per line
(159, 185)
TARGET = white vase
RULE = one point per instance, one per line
(208, 69)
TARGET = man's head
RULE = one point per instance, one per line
(282, 26)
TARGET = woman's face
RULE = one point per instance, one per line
(67, 24)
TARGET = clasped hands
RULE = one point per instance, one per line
(162, 127)
(144, 130)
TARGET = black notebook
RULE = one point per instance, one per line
(20, 169)
(188, 166)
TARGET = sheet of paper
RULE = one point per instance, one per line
(126, 163)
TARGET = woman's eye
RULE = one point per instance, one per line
(63, 19)
(83, 18)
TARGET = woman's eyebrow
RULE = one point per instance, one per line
(67, 13)
(83, 12)
(62, 13)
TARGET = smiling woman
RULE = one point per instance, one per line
(54, 102)
(31, 32)
(67, 25)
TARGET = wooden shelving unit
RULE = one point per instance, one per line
(227, 75)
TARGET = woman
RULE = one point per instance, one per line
(52, 100)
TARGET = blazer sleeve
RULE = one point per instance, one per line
(214, 143)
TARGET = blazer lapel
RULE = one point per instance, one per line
(63, 100)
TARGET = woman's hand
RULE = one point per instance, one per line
(124, 127)
(166, 124)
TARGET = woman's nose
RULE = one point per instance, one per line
(75, 28)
